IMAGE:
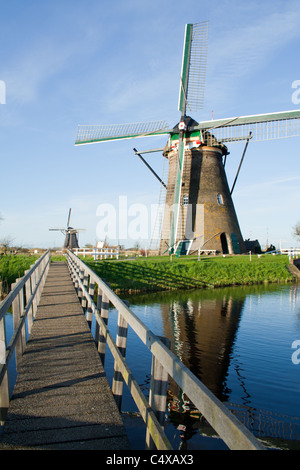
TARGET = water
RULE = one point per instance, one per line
(238, 341)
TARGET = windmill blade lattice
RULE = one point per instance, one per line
(91, 134)
(69, 217)
(193, 71)
(262, 127)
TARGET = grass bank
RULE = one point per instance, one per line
(11, 268)
(159, 273)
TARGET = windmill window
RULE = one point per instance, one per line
(185, 200)
(220, 199)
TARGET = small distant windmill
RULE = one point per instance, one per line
(199, 211)
(71, 239)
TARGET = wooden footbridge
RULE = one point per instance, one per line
(62, 399)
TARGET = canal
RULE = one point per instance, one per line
(238, 342)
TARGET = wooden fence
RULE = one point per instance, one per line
(164, 365)
(23, 298)
(97, 253)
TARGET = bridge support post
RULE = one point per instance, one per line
(89, 314)
(121, 342)
(17, 310)
(4, 385)
(97, 328)
(28, 292)
(80, 291)
(85, 281)
(102, 305)
(40, 287)
(76, 283)
(158, 392)
(33, 284)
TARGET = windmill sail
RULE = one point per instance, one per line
(69, 217)
(93, 134)
(193, 71)
(262, 127)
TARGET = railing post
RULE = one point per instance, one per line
(89, 314)
(121, 342)
(97, 328)
(158, 392)
(76, 273)
(17, 312)
(40, 288)
(80, 290)
(85, 280)
(4, 385)
(37, 276)
(23, 330)
(72, 269)
(28, 291)
(33, 284)
(103, 303)
(44, 273)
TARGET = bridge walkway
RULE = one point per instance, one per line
(62, 399)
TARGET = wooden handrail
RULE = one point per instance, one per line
(227, 426)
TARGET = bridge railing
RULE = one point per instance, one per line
(164, 365)
(23, 299)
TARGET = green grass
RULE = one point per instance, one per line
(55, 258)
(159, 273)
(12, 267)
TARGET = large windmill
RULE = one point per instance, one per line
(199, 211)
(71, 238)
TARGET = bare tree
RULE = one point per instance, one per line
(137, 246)
(296, 231)
(6, 244)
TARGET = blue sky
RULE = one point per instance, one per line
(66, 63)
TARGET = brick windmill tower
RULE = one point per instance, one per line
(199, 213)
(203, 217)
